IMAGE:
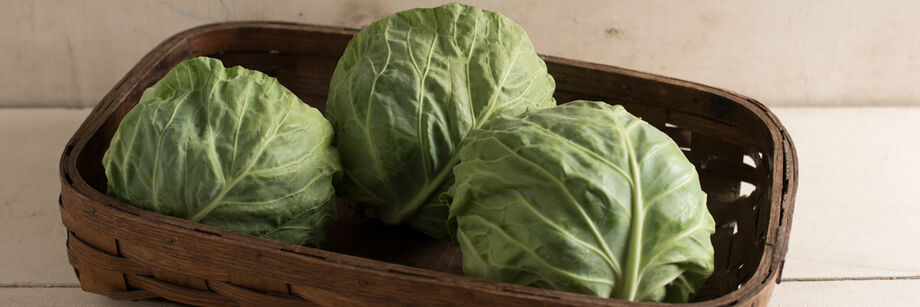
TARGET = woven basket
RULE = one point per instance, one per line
(128, 254)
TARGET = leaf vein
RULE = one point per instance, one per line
(537, 256)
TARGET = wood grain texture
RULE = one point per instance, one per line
(125, 252)
(789, 53)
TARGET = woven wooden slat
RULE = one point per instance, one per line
(178, 293)
(324, 297)
(91, 256)
(247, 297)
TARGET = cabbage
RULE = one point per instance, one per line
(227, 147)
(406, 92)
(583, 197)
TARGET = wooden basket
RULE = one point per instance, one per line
(128, 254)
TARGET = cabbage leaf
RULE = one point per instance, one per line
(406, 92)
(227, 147)
(583, 197)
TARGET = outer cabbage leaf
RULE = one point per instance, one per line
(583, 197)
(227, 147)
(407, 91)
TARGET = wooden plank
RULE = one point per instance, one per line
(860, 191)
(847, 293)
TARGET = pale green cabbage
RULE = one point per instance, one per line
(583, 197)
(227, 147)
(407, 91)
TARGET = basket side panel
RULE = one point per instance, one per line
(93, 277)
(179, 279)
(259, 283)
(721, 192)
(208, 256)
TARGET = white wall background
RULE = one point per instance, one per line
(57, 53)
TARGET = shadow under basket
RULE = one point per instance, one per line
(744, 156)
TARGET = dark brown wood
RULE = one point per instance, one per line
(127, 253)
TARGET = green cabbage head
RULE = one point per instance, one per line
(227, 147)
(407, 91)
(583, 197)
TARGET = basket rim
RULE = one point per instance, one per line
(785, 179)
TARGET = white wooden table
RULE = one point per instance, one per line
(855, 236)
